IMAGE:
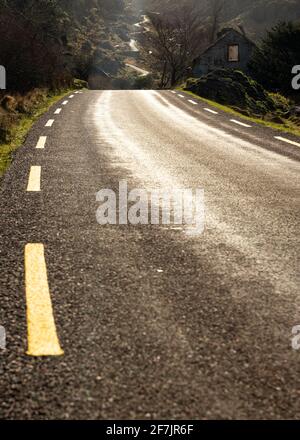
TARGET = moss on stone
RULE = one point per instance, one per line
(240, 92)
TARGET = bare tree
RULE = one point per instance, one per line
(217, 9)
(175, 41)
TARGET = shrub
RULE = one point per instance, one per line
(9, 103)
(237, 90)
(7, 122)
(80, 84)
(13, 108)
(143, 83)
(32, 57)
(282, 103)
(272, 61)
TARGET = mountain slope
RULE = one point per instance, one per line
(256, 16)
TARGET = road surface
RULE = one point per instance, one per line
(142, 72)
(153, 322)
(133, 45)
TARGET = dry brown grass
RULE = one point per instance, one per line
(14, 107)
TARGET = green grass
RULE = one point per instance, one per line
(287, 127)
(20, 131)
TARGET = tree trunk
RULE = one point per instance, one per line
(173, 77)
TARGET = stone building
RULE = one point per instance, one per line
(232, 50)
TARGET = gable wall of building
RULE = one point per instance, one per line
(217, 55)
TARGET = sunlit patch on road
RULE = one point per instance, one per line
(156, 207)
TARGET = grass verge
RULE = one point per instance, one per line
(20, 130)
(287, 127)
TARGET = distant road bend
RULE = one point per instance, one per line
(121, 322)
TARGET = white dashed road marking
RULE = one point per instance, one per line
(71, 96)
(49, 123)
(34, 180)
(240, 123)
(65, 103)
(287, 141)
(57, 112)
(41, 142)
(210, 111)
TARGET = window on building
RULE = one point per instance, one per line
(233, 52)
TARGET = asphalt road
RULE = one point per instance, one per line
(154, 322)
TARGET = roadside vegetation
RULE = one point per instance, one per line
(45, 44)
(235, 92)
(17, 115)
(290, 125)
(275, 56)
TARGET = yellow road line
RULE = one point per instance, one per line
(42, 336)
(34, 180)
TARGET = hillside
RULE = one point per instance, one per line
(45, 45)
(256, 16)
(259, 16)
(57, 40)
